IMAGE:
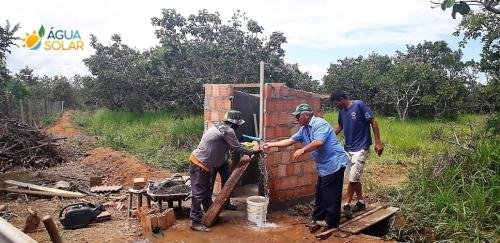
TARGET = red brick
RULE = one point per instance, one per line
(214, 116)
(271, 105)
(208, 90)
(226, 104)
(283, 91)
(297, 168)
(269, 91)
(271, 119)
(273, 159)
(285, 157)
(211, 103)
(281, 170)
(225, 90)
(290, 170)
(293, 181)
(272, 172)
(207, 115)
(215, 91)
(269, 132)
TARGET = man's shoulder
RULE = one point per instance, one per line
(318, 122)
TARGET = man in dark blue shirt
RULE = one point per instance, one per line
(355, 118)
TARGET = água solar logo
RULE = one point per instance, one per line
(56, 40)
(33, 41)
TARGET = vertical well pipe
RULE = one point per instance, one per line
(261, 104)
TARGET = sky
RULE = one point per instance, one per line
(319, 32)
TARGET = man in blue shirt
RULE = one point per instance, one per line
(355, 118)
(318, 137)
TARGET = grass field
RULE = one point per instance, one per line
(160, 138)
(461, 204)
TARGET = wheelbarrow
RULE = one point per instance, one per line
(154, 194)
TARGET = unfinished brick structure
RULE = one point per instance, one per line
(288, 179)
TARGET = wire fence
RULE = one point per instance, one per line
(32, 111)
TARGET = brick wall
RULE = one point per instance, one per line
(288, 179)
(216, 103)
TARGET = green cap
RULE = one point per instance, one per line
(301, 108)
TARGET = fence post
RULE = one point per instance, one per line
(22, 110)
(29, 115)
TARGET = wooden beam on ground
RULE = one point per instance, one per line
(217, 205)
(327, 233)
(38, 193)
(10, 234)
(370, 220)
(30, 186)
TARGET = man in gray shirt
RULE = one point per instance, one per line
(214, 144)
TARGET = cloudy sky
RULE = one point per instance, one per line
(319, 32)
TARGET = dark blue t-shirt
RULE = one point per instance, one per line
(355, 123)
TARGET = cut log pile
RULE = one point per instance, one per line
(22, 145)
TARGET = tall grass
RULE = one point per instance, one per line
(160, 138)
(455, 197)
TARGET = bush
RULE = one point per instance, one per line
(455, 195)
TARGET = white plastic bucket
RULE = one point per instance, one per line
(257, 209)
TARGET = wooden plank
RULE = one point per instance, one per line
(370, 220)
(59, 192)
(38, 193)
(216, 208)
(10, 234)
(327, 233)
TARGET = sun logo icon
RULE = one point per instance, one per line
(33, 41)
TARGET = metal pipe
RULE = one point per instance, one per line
(261, 98)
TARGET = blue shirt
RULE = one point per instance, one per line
(330, 157)
(356, 121)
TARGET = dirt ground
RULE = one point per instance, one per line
(118, 168)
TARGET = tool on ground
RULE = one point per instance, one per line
(79, 215)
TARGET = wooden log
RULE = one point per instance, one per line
(32, 222)
(51, 227)
(55, 191)
(217, 205)
(10, 234)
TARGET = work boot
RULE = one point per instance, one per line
(199, 227)
(313, 226)
(347, 211)
(359, 206)
(231, 207)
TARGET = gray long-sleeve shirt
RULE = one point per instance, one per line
(214, 144)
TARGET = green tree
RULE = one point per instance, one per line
(7, 39)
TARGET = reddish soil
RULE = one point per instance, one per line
(64, 127)
(119, 168)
